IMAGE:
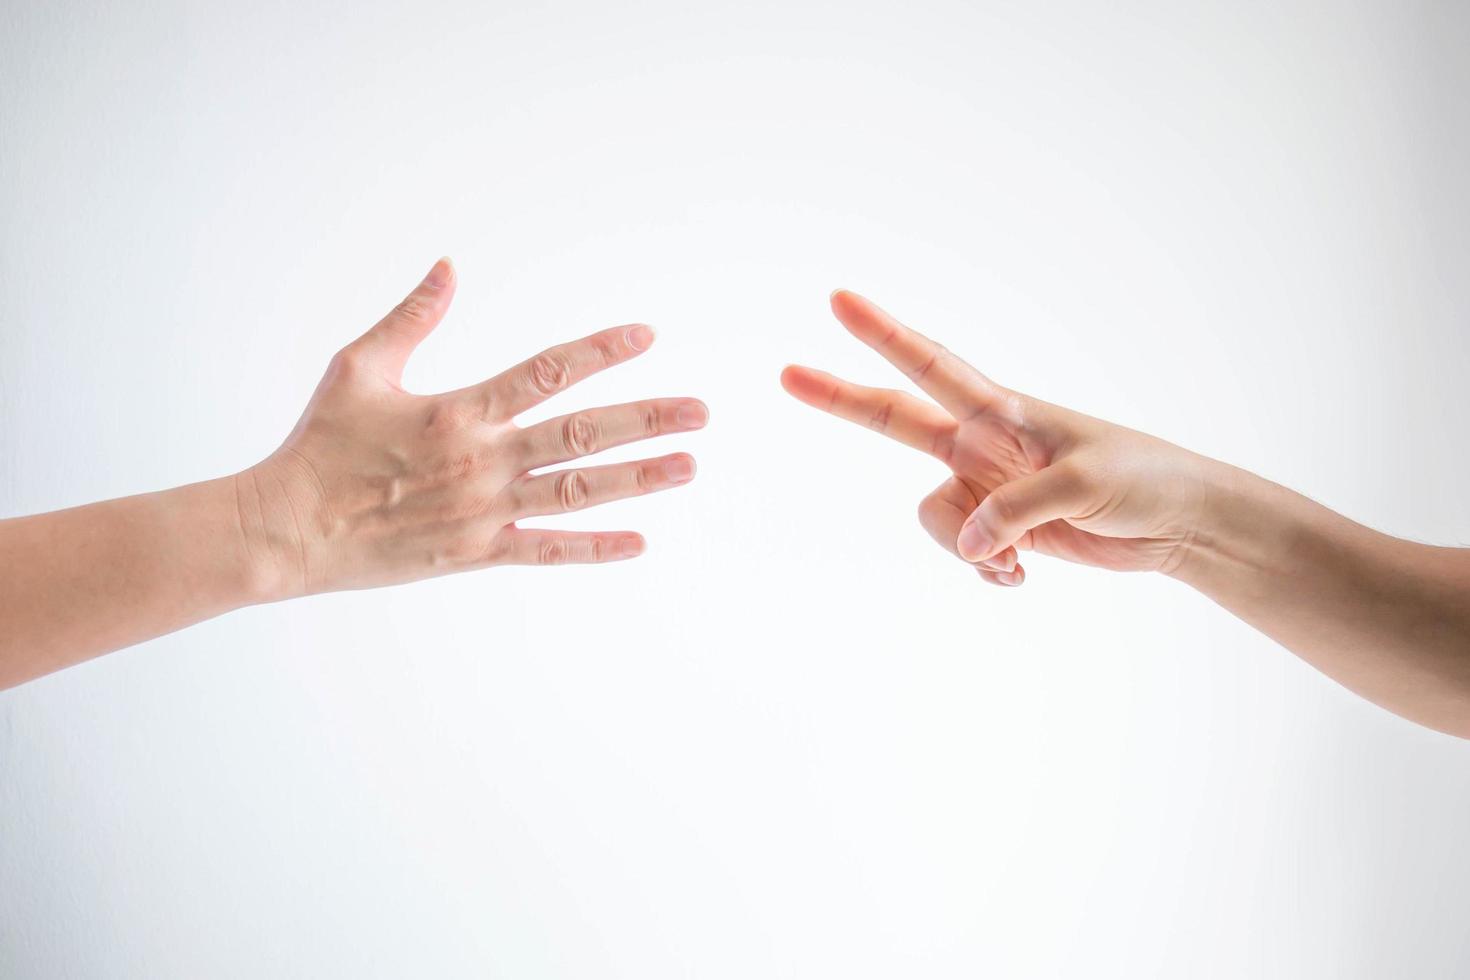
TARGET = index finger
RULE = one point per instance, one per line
(555, 369)
(912, 421)
(953, 383)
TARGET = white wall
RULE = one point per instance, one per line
(795, 740)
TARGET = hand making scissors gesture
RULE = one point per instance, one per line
(1027, 475)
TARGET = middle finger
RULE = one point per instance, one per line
(584, 433)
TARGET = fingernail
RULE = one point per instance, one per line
(640, 338)
(691, 416)
(631, 548)
(1011, 578)
(972, 542)
(680, 469)
(440, 274)
(1003, 562)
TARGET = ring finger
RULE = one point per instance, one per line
(576, 489)
(942, 514)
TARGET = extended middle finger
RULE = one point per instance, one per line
(584, 433)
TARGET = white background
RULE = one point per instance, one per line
(795, 739)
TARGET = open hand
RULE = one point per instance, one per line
(1026, 474)
(376, 485)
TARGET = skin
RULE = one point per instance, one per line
(374, 486)
(1387, 618)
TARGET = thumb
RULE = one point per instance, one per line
(1010, 510)
(392, 339)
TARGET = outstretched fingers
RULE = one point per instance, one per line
(576, 489)
(953, 383)
(584, 433)
(898, 415)
(534, 546)
(555, 369)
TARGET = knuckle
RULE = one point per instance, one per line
(1030, 416)
(928, 509)
(549, 373)
(553, 552)
(881, 416)
(599, 549)
(1076, 474)
(944, 445)
(346, 364)
(472, 549)
(580, 435)
(462, 465)
(1002, 506)
(446, 417)
(571, 490)
(498, 551)
(649, 421)
(413, 309)
(607, 348)
(920, 372)
(485, 404)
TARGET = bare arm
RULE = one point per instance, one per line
(1388, 618)
(374, 486)
(83, 581)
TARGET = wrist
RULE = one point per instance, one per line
(1243, 525)
(198, 540)
(266, 553)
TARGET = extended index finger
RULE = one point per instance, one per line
(911, 421)
(953, 383)
(555, 369)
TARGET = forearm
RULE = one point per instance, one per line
(84, 581)
(1388, 618)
